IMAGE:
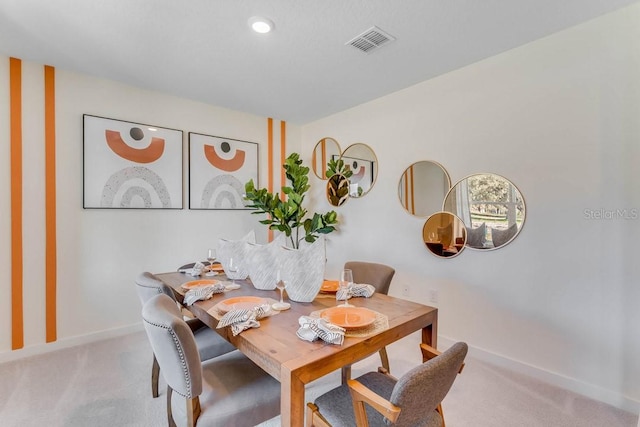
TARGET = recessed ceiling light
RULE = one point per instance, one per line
(260, 24)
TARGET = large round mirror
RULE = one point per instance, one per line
(363, 163)
(444, 234)
(422, 188)
(325, 150)
(491, 208)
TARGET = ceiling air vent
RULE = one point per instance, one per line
(370, 40)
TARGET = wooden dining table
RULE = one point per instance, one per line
(276, 348)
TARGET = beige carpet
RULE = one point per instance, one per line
(106, 384)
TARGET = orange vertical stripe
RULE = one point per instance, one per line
(283, 154)
(324, 158)
(15, 94)
(405, 183)
(411, 184)
(50, 202)
(270, 163)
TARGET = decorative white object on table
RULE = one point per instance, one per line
(236, 249)
(304, 269)
(263, 262)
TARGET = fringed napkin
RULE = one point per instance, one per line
(312, 329)
(196, 270)
(202, 293)
(357, 290)
(240, 320)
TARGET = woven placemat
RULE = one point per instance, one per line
(218, 315)
(380, 324)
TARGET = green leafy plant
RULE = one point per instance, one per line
(289, 215)
(338, 167)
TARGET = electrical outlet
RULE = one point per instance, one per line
(433, 295)
(406, 291)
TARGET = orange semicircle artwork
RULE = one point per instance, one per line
(139, 155)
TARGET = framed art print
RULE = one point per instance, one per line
(218, 170)
(130, 165)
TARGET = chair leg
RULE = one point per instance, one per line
(155, 375)
(170, 420)
(346, 370)
(193, 411)
(384, 359)
(439, 410)
(314, 417)
(346, 374)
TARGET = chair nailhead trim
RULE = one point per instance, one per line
(183, 361)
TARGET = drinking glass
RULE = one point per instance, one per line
(346, 282)
(211, 255)
(233, 269)
(281, 284)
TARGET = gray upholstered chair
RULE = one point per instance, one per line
(210, 343)
(413, 399)
(228, 390)
(379, 276)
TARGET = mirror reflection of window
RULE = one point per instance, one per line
(491, 208)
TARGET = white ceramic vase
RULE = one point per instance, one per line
(264, 263)
(238, 250)
(303, 269)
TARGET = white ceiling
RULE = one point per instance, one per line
(303, 71)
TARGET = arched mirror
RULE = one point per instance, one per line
(362, 161)
(422, 188)
(325, 150)
(444, 234)
(491, 207)
(337, 190)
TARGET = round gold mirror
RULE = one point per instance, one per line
(491, 207)
(422, 188)
(363, 163)
(337, 189)
(444, 234)
(325, 150)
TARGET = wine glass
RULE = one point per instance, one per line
(233, 268)
(346, 282)
(281, 284)
(211, 255)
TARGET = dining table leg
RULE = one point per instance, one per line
(291, 399)
(430, 332)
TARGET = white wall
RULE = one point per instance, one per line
(100, 252)
(560, 118)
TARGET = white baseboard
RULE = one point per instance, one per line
(589, 390)
(38, 349)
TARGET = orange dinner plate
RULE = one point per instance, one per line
(216, 267)
(349, 317)
(199, 283)
(240, 303)
(330, 286)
